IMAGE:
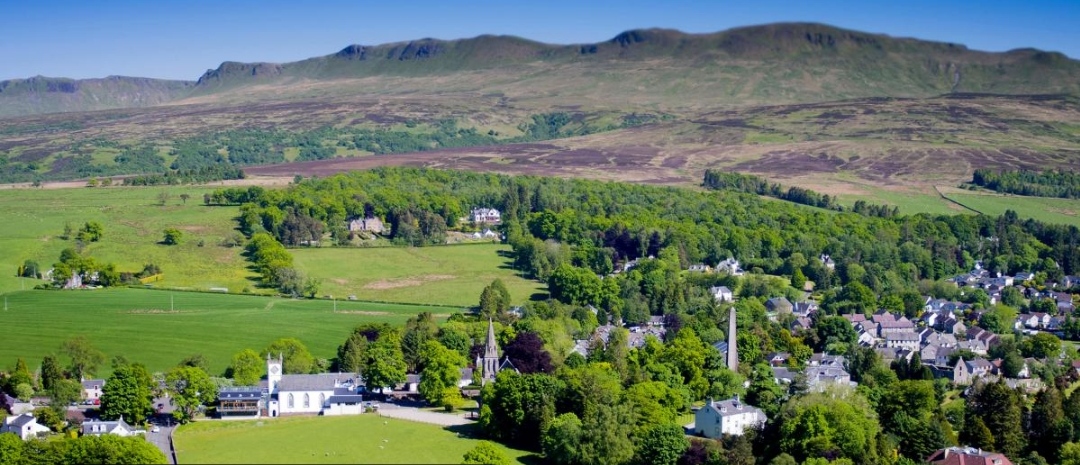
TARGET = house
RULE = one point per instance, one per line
(902, 340)
(966, 456)
(730, 266)
(974, 345)
(699, 268)
(801, 324)
(486, 215)
(117, 427)
(722, 294)
(784, 375)
(14, 406)
(820, 377)
(779, 305)
(345, 401)
(777, 359)
(965, 372)
(243, 401)
(92, 388)
(369, 224)
(889, 324)
(826, 360)
(805, 309)
(25, 426)
(827, 261)
(731, 417)
(939, 339)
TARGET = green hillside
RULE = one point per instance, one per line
(774, 64)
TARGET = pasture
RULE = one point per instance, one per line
(133, 221)
(159, 328)
(450, 275)
(1050, 210)
(347, 439)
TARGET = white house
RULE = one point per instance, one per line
(118, 427)
(344, 402)
(486, 215)
(731, 266)
(25, 426)
(730, 416)
(722, 294)
(92, 388)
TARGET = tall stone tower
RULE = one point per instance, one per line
(273, 371)
(490, 362)
(733, 343)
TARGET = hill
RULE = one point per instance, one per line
(40, 94)
(770, 64)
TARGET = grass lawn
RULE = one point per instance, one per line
(450, 275)
(159, 328)
(133, 223)
(346, 439)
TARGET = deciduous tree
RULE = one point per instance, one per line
(189, 388)
(247, 368)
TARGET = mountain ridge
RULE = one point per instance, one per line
(781, 62)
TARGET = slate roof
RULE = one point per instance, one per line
(317, 382)
(23, 420)
(108, 426)
(93, 384)
(731, 407)
(240, 393)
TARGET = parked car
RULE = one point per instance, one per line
(155, 429)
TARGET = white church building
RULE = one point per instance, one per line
(318, 394)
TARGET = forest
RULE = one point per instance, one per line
(598, 226)
(1055, 183)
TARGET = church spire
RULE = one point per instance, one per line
(491, 350)
(733, 343)
(491, 354)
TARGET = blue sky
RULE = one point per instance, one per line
(180, 40)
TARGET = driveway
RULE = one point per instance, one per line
(423, 416)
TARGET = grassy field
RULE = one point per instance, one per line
(1046, 209)
(133, 221)
(158, 328)
(348, 439)
(452, 275)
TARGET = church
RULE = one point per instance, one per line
(489, 363)
(281, 394)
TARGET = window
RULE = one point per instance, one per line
(291, 402)
(322, 399)
(307, 400)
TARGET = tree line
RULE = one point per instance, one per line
(1053, 183)
(715, 179)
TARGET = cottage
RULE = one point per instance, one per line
(92, 388)
(801, 324)
(14, 406)
(730, 417)
(118, 428)
(805, 309)
(827, 261)
(699, 268)
(722, 294)
(818, 378)
(25, 426)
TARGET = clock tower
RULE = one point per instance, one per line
(273, 372)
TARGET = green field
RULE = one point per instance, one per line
(159, 328)
(1050, 210)
(33, 221)
(348, 439)
(451, 275)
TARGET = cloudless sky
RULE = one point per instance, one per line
(180, 40)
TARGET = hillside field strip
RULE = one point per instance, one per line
(133, 222)
(158, 328)
(346, 439)
(1046, 209)
(449, 275)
